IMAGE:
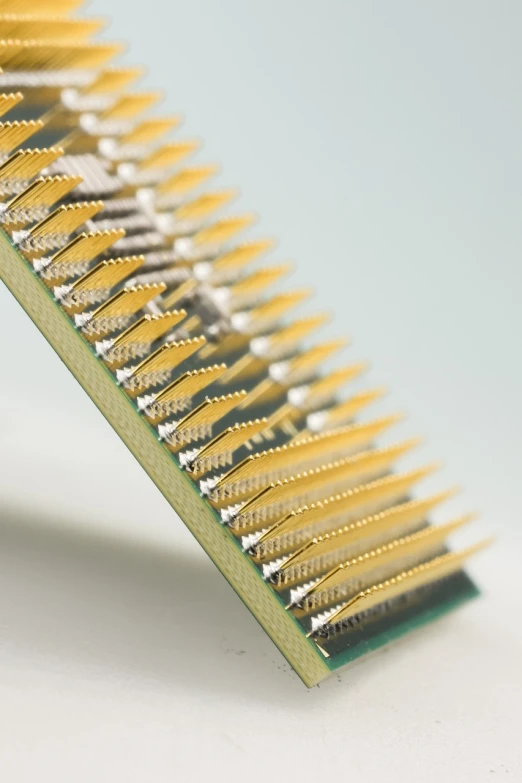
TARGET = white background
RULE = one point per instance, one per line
(381, 142)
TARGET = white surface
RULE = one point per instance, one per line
(384, 149)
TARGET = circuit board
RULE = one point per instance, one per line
(110, 242)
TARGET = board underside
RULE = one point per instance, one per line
(311, 660)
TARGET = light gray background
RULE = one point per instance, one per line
(381, 142)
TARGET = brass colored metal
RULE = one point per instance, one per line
(96, 284)
(9, 100)
(389, 555)
(158, 366)
(230, 263)
(168, 154)
(219, 451)
(135, 341)
(41, 55)
(186, 180)
(32, 203)
(130, 105)
(113, 80)
(114, 313)
(178, 395)
(204, 205)
(353, 537)
(150, 130)
(198, 423)
(12, 134)
(17, 171)
(412, 579)
(31, 26)
(294, 492)
(259, 469)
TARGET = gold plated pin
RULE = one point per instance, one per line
(150, 130)
(32, 26)
(74, 258)
(281, 497)
(9, 100)
(136, 341)
(97, 283)
(230, 263)
(178, 395)
(116, 313)
(49, 8)
(263, 317)
(245, 291)
(413, 579)
(168, 155)
(17, 171)
(311, 555)
(130, 105)
(222, 230)
(55, 229)
(37, 55)
(12, 134)
(113, 80)
(157, 368)
(186, 180)
(198, 424)
(258, 470)
(218, 453)
(360, 572)
(33, 203)
(345, 507)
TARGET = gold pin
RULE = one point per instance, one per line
(222, 230)
(198, 424)
(135, 341)
(279, 498)
(218, 453)
(228, 265)
(116, 313)
(96, 284)
(31, 26)
(74, 258)
(343, 412)
(204, 205)
(258, 470)
(54, 230)
(349, 505)
(413, 579)
(113, 80)
(265, 315)
(150, 130)
(182, 292)
(33, 202)
(178, 395)
(186, 180)
(16, 55)
(157, 367)
(12, 134)
(130, 105)
(50, 8)
(319, 553)
(9, 100)
(22, 166)
(356, 574)
(248, 289)
(168, 155)
(272, 347)
(293, 372)
(307, 398)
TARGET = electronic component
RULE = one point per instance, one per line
(115, 248)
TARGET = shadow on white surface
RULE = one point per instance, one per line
(109, 601)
